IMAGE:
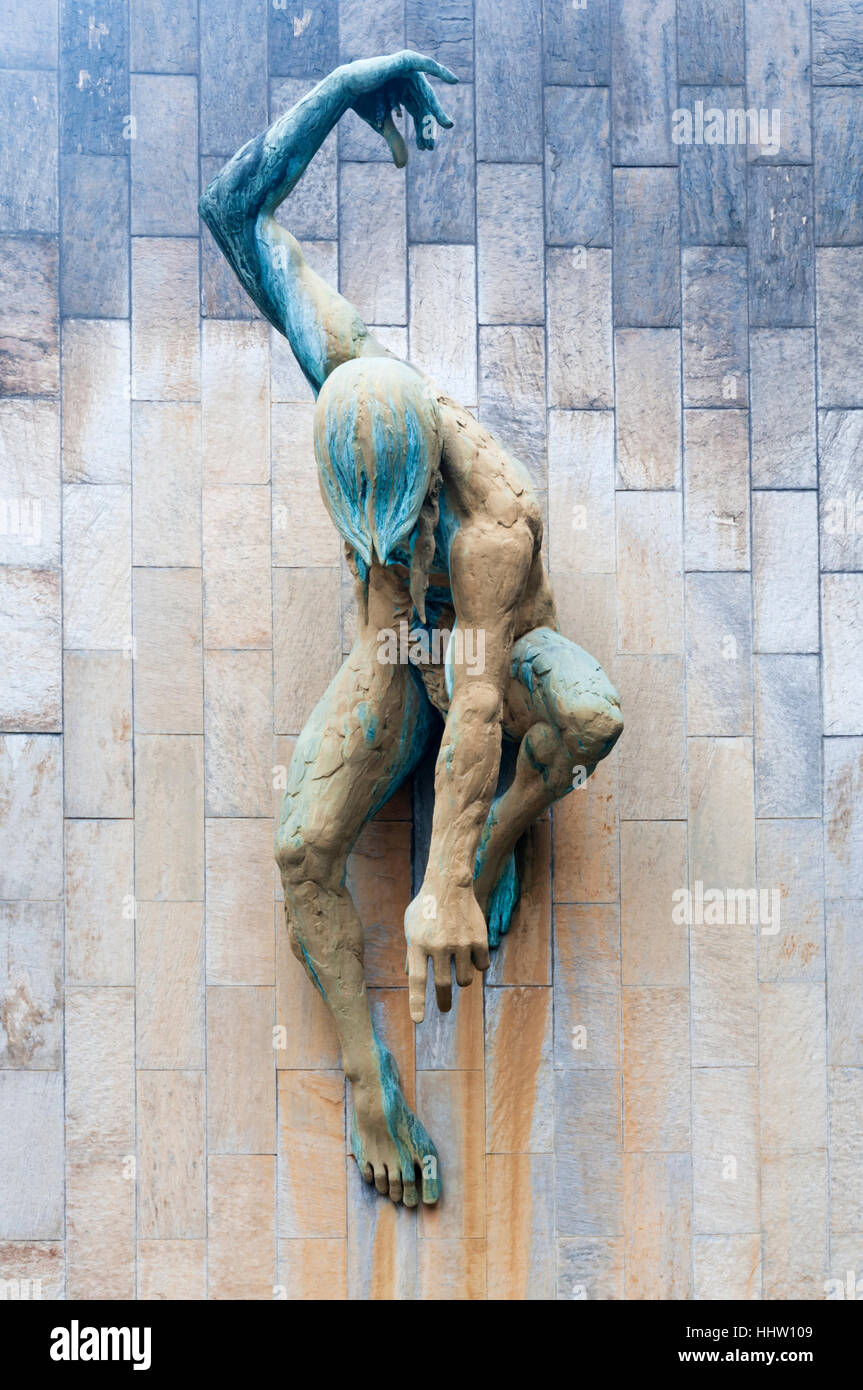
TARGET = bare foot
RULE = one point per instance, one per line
(388, 1141)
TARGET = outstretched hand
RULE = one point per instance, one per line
(381, 87)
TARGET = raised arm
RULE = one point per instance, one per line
(239, 205)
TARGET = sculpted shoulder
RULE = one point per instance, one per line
(479, 474)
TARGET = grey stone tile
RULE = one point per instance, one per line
(844, 984)
(508, 81)
(788, 735)
(30, 637)
(843, 817)
(781, 249)
(777, 74)
(643, 81)
(164, 156)
(373, 269)
(837, 55)
(444, 32)
(30, 357)
(589, 1190)
(716, 478)
(726, 1267)
(714, 326)
(94, 237)
(710, 41)
(785, 571)
(782, 386)
(712, 177)
(31, 986)
(512, 393)
(840, 461)
(510, 243)
(94, 78)
(842, 643)
(163, 35)
(577, 43)
(793, 1035)
(718, 654)
(840, 325)
(791, 864)
(646, 248)
(30, 470)
(837, 129)
(31, 1155)
(28, 186)
(303, 45)
(589, 1267)
(29, 37)
(31, 831)
(580, 368)
(577, 167)
(647, 396)
(441, 192)
(652, 760)
(794, 1225)
(233, 71)
(725, 1150)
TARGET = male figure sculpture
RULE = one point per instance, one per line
(442, 530)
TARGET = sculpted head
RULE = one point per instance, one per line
(378, 446)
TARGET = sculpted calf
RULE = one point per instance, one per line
(442, 531)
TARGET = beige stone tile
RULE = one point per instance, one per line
(382, 1246)
(37, 1267)
(31, 1154)
(581, 491)
(843, 811)
(238, 713)
(652, 867)
(586, 839)
(372, 247)
(845, 983)
(31, 829)
(169, 817)
(726, 1267)
(100, 1073)
(169, 666)
(30, 638)
(306, 1038)
(97, 566)
(312, 1142)
(379, 881)
(724, 996)
(587, 611)
(100, 907)
(30, 469)
(96, 425)
(524, 954)
(451, 1270)
(443, 316)
(793, 1051)
(842, 624)
(790, 863)
(716, 486)
(239, 884)
(241, 1099)
(520, 1226)
(172, 1199)
(166, 472)
(794, 1224)
(28, 324)
(166, 363)
(235, 398)
(241, 1193)
(169, 984)
(785, 571)
(721, 814)
(175, 1270)
(97, 742)
(237, 607)
(718, 654)
(647, 396)
(725, 1150)
(649, 573)
(590, 1268)
(509, 243)
(519, 1096)
(657, 1227)
(453, 1041)
(306, 646)
(303, 533)
(31, 986)
(580, 371)
(846, 1148)
(586, 986)
(451, 1106)
(652, 757)
(656, 1103)
(313, 1271)
(100, 1228)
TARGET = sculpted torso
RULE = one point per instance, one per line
(442, 531)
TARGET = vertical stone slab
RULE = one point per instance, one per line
(782, 372)
(726, 1267)
(236, 531)
(94, 78)
(31, 987)
(166, 363)
(100, 930)
(716, 489)
(100, 1229)
(652, 869)
(718, 654)
(581, 498)
(794, 1224)
(508, 81)
(580, 369)
(649, 573)
(239, 885)
(300, 46)
(312, 1138)
(372, 269)
(712, 176)
(791, 865)
(778, 59)
(169, 666)
(233, 58)
(235, 402)
(163, 37)
(169, 984)
(169, 817)
(166, 483)
(837, 131)
(94, 235)
(31, 832)
(441, 196)
(646, 249)
(710, 41)
(96, 426)
(785, 571)
(792, 1033)
(30, 635)
(97, 561)
(303, 664)
(839, 274)
(658, 1225)
(241, 1193)
(840, 440)
(31, 1149)
(28, 316)
(520, 1242)
(577, 166)
(844, 974)
(100, 1073)
(781, 248)
(725, 1150)
(30, 465)
(842, 641)
(172, 1200)
(652, 766)
(577, 43)
(510, 243)
(643, 81)
(647, 395)
(443, 317)
(172, 1269)
(451, 1105)
(656, 1082)
(164, 156)
(28, 101)
(715, 348)
(788, 742)
(241, 1098)
(518, 1071)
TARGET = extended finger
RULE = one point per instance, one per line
(443, 981)
(418, 62)
(417, 970)
(428, 96)
(463, 966)
(481, 956)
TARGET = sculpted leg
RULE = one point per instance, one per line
(360, 743)
(567, 714)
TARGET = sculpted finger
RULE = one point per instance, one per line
(481, 955)
(429, 97)
(418, 62)
(463, 966)
(443, 981)
(417, 970)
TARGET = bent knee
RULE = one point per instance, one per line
(309, 854)
(593, 727)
